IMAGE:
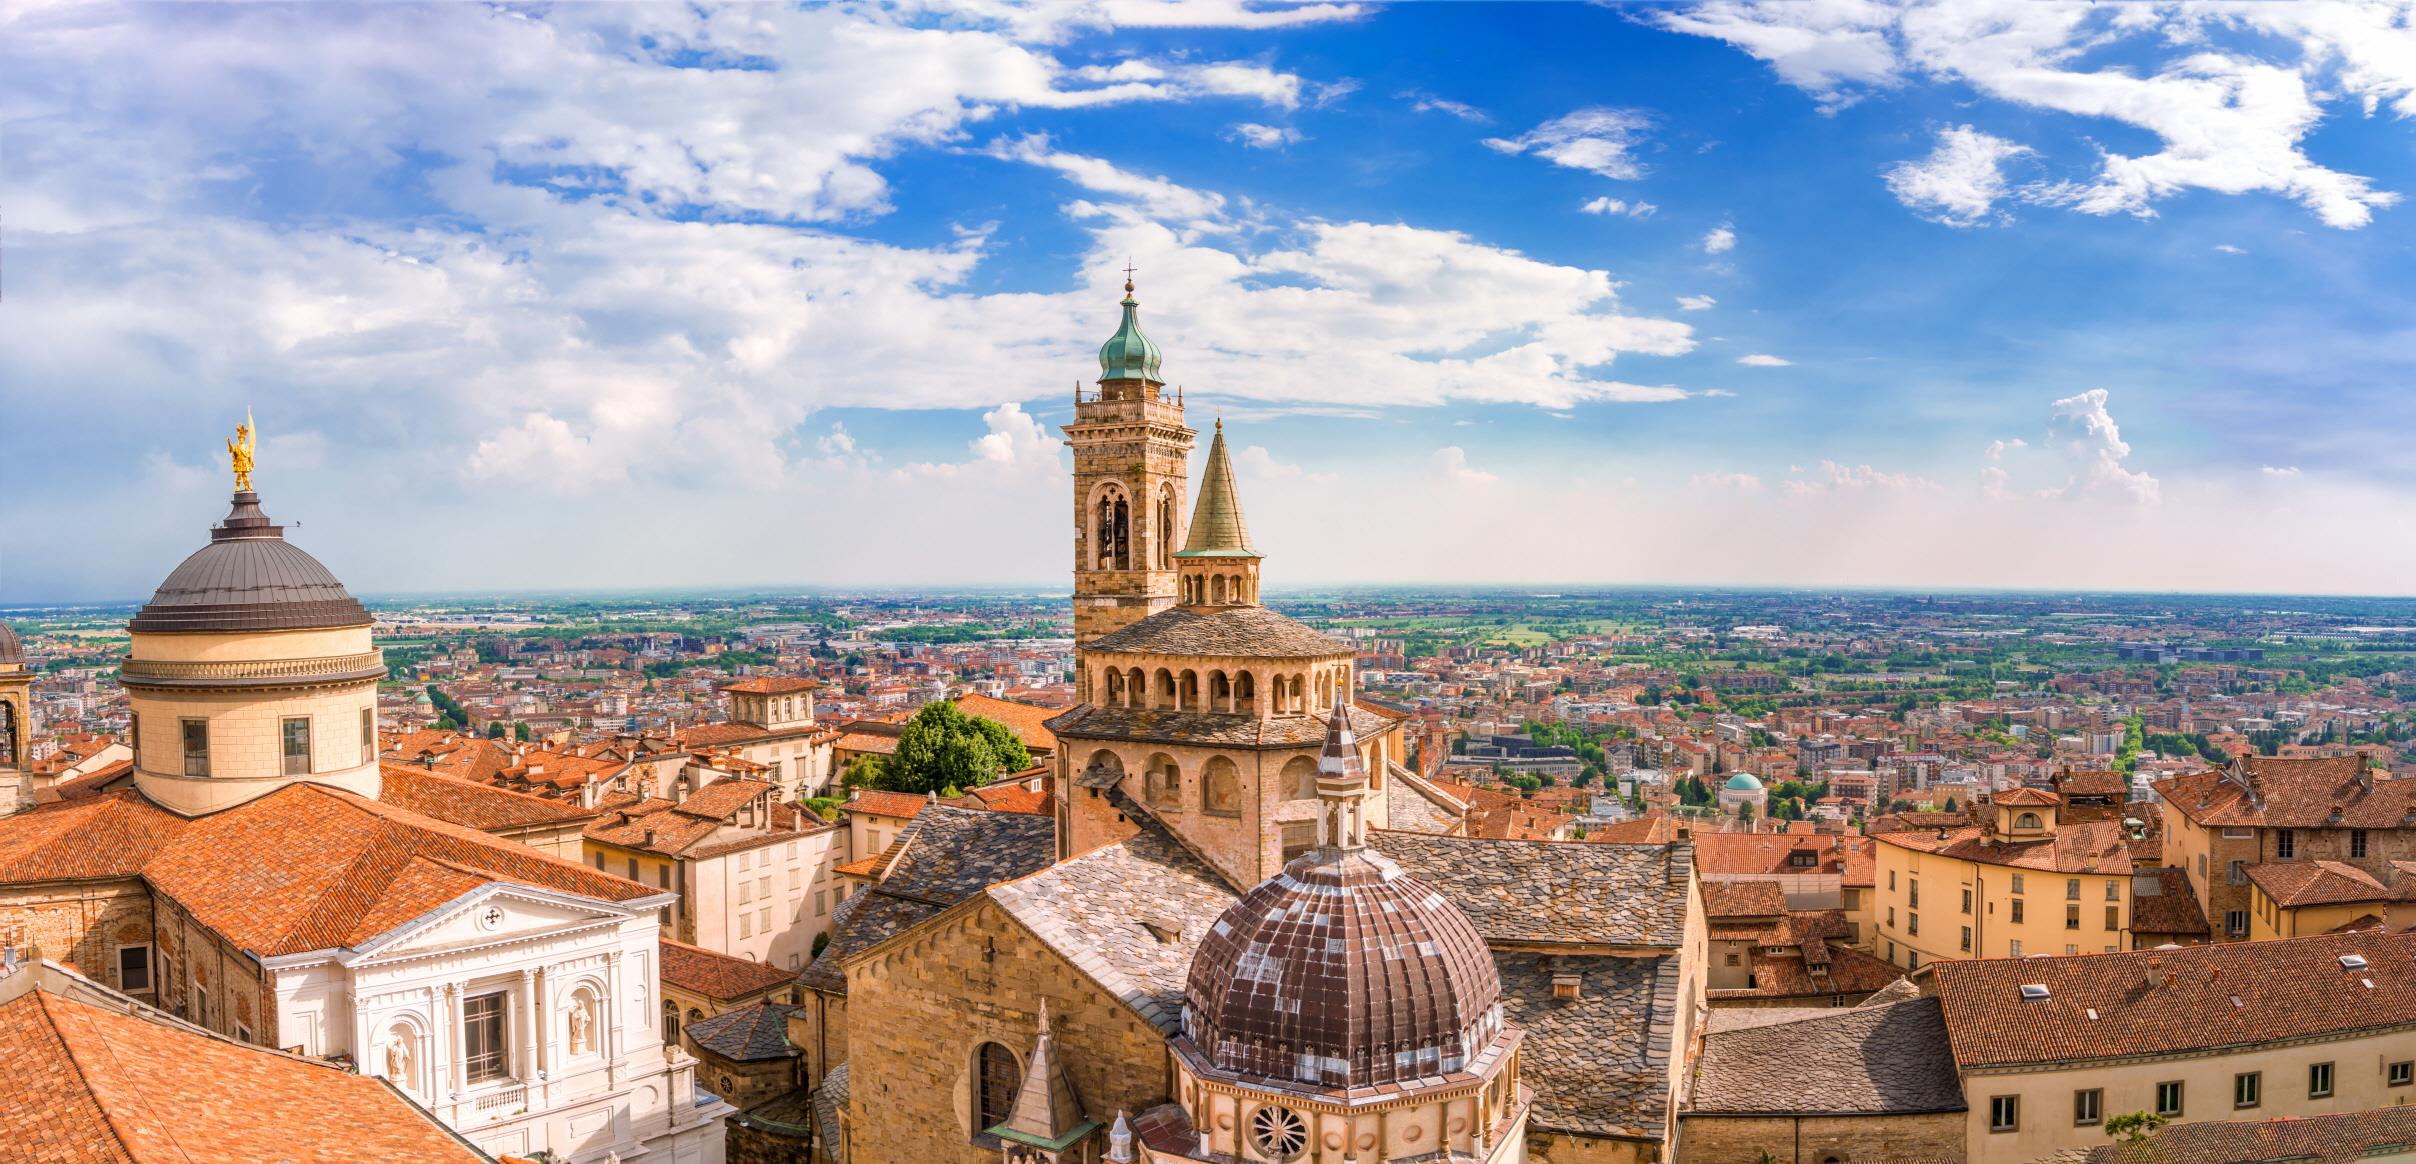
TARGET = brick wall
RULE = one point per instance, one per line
(1909, 1139)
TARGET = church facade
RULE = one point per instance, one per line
(1251, 932)
(251, 875)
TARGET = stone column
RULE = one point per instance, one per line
(544, 1010)
(533, 1007)
(448, 1021)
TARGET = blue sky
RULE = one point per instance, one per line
(1801, 293)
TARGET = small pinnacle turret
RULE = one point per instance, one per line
(1217, 528)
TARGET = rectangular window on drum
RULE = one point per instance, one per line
(368, 734)
(295, 737)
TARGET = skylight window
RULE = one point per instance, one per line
(2034, 991)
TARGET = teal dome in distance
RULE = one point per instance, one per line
(1129, 355)
(1743, 782)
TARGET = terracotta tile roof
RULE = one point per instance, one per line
(1726, 899)
(2342, 1138)
(1821, 969)
(874, 802)
(2088, 847)
(864, 866)
(2192, 998)
(660, 826)
(91, 783)
(1896, 822)
(1644, 830)
(2026, 798)
(2093, 783)
(1891, 1059)
(1733, 854)
(2163, 903)
(719, 976)
(91, 837)
(479, 806)
(2298, 793)
(872, 743)
(771, 685)
(1011, 798)
(705, 735)
(89, 1083)
(1026, 720)
(2296, 883)
(748, 1034)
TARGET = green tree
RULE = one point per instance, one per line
(521, 732)
(943, 747)
(2135, 1126)
(495, 730)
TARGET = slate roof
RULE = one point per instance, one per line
(1892, 1059)
(1129, 915)
(945, 856)
(1089, 721)
(716, 975)
(830, 1099)
(2163, 903)
(2193, 998)
(748, 1034)
(1599, 1064)
(1553, 892)
(1237, 632)
(93, 1078)
(2297, 793)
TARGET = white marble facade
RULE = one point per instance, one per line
(567, 986)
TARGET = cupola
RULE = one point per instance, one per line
(1128, 361)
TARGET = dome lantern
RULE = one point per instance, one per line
(1128, 354)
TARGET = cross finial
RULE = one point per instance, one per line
(1128, 274)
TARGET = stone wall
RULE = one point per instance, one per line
(1910, 1139)
(79, 925)
(924, 1005)
(1562, 1148)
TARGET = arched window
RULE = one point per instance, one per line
(1115, 687)
(1136, 689)
(1245, 691)
(2028, 820)
(8, 732)
(1220, 788)
(1216, 590)
(1106, 766)
(1166, 511)
(1300, 779)
(1111, 532)
(1165, 688)
(994, 1084)
(1190, 697)
(670, 1023)
(1163, 783)
(1220, 692)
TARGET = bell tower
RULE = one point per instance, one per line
(1131, 467)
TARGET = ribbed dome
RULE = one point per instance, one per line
(249, 578)
(11, 651)
(1342, 972)
(1129, 355)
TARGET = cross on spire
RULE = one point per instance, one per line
(1128, 274)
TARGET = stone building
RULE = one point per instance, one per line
(248, 878)
(1217, 777)
(16, 724)
(2220, 826)
(1868, 1084)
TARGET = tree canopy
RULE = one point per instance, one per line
(942, 747)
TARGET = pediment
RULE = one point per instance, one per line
(490, 914)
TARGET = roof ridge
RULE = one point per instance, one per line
(109, 1114)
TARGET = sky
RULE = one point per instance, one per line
(1810, 293)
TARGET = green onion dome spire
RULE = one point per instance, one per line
(1129, 355)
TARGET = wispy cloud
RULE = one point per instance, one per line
(1720, 240)
(1764, 360)
(1600, 140)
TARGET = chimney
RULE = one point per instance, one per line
(649, 838)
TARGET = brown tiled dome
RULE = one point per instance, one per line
(1342, 972)
(249, 578)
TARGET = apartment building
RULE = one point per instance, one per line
(2228, 827)
(2023, 881)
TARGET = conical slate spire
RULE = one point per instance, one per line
(1217, 529)
(1045, 1110)
(1342, 780)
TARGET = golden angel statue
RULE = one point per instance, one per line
(240, 450)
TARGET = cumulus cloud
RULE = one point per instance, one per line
(1598, 139)
(1013, 445)
(1696, 302)
(1257, 464)
(1763, 360)
(1607, 205)
(1960, 182)
(2086, 431)
(2231, 115)
(1451, 464)
(1720, 240)
(1265, 137)
(1156, 197)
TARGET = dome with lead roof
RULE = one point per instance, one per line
(249, 578)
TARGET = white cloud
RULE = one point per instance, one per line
(1720, 240)
(1257, 464)
(1157, 197)
(1737, 482)
(1960, 182)
(1762, 360)
(2228, 249)
(1837, 478)
(2284, 472)
(2228, 121)
(1428, 103)
(1696, 302)
(1451, 463)
(1265, 137)
(2087, 433)
(1014, 446)
(1607, 205)
(1598, 139)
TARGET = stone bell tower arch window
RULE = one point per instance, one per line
(1111, 531)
